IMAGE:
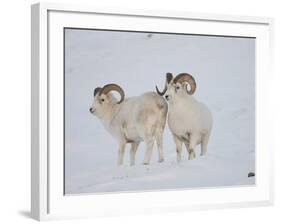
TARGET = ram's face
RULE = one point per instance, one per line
(100, 105)
(103, 99)
(183, 84)
(175, 90)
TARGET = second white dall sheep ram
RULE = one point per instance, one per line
(190, 121)
(132, 120)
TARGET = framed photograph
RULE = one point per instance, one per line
(148, 111)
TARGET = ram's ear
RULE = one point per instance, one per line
(96, 91)
(186, 86)
(185, 77)
(113, 87)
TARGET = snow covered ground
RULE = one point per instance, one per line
(224, 69)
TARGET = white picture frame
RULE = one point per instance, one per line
(47, 197)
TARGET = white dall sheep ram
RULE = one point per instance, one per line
(189, 120)
(132, 120)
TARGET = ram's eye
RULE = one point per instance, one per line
(177, 87)
(102, 100)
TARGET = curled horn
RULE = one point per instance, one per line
(169, 78)
(113, 87)
(185, 77)
(97, 90)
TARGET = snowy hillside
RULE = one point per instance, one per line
(224, 71)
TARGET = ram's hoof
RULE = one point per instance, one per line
(191, 157)
(160, 160)
(145, 163)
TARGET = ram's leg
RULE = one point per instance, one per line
(192, 144)
(159, 140)
(204, 144)
(149, 146)
(134, 147)
(178, 143)
(121, 152)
